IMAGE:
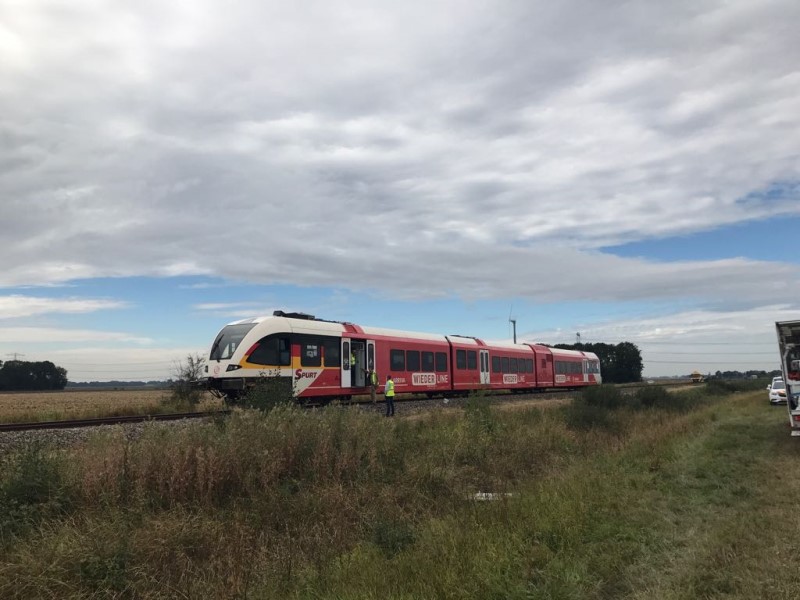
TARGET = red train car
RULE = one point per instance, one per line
(327, 359)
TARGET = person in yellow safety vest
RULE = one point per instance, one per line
(352, 360)
(373, 384)
(388, 392)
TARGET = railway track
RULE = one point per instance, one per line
(415, 402)
(75, 423)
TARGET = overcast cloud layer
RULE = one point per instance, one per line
(486, 149)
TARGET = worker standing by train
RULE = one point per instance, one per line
(388, 392)
(373, 385)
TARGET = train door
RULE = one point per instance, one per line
(585, 371)
(358, 351)
(370, 356)
(485, 367)
(346, 381)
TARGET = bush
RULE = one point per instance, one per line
(187, 388)
(602, 396)
(723, 387)
(32, 488)
(270, 391)
(654, 397)
(583, 417)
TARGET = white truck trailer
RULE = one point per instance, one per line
(789, 346)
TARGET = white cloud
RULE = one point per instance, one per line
(106, 363)
(53, 335)
(681, 342)
(485, 149)
(18, 306)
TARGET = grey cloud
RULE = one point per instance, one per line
(271, 143)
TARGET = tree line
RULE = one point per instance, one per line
(21, 375)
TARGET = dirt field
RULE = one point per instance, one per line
(46, 406)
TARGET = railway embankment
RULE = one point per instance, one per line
(608, 496)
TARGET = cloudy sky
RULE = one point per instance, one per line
(626, 170)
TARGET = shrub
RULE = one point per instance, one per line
(603, 396)
(723, 387)
(32, 488)
(186, 387)
(654, 397)
(270, 391)
(583, 417)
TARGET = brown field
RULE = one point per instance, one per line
(76, 404)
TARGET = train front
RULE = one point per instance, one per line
(224, 360)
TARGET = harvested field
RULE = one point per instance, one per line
(17, 407)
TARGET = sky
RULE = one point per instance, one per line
(626, 171)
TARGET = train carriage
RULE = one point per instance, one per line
(417, 362)
(574, 368)
(327, 359)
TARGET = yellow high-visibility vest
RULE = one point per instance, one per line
(389, 388)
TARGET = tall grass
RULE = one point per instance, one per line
(338, 503)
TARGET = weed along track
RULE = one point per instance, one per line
(652, 495)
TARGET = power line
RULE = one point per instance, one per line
(696, 362)
(716, 353)
(686, 343)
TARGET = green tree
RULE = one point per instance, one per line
(25, 375)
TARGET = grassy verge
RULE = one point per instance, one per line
(649, 501)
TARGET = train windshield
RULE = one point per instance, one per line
(228, 341)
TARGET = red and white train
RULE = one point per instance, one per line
(329, 359)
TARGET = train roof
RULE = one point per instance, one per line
(305, 323)
(300, 323)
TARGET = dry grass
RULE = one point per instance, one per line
(51, 406)
(666, 504)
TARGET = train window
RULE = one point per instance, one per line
(228, 340)
(427, 362)
(495, 364)
(284, 351)
(441, 362)
(412, 360)
(504, 363)
(461, 359)
(310, 355)
(271, 350)
(345, 356)
(397, 360)
(472, 360)
(513, 365)
(529, 365)
(330, 351)
(266, 353)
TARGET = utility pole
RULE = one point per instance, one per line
(514, 324)
(578, 338)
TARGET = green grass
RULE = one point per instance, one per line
(692, 499)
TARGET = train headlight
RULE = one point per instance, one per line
(233, 367)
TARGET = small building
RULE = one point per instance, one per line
(697, 377)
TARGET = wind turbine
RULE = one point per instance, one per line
(513, 322)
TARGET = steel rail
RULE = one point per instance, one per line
(94, 422)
